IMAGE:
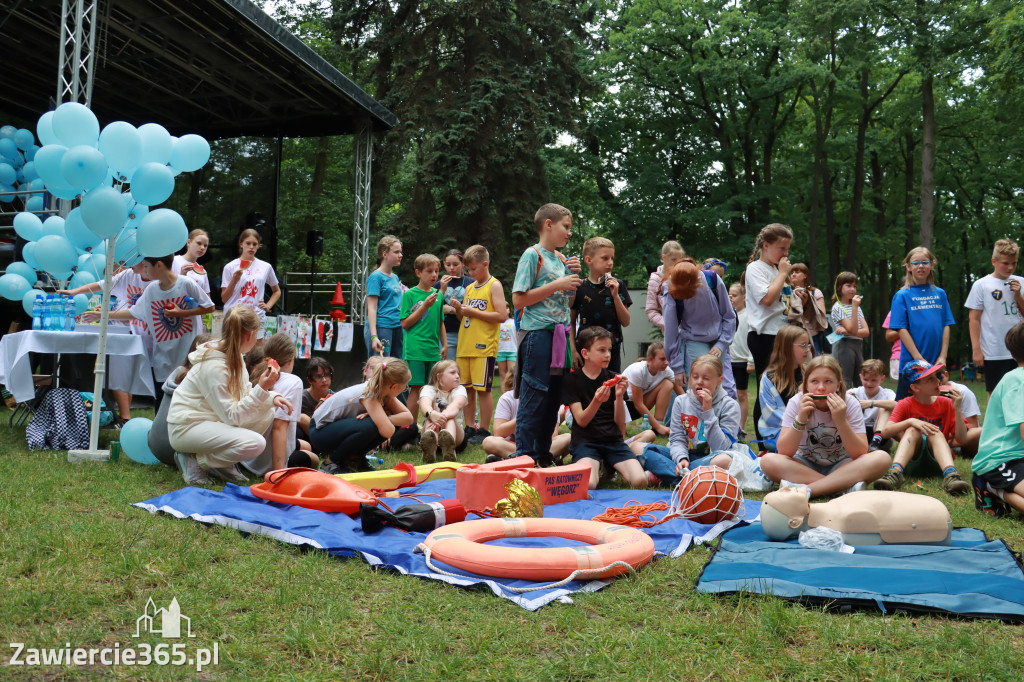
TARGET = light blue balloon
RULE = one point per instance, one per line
(191, 152)
(7, 174)
(29, 299)
(126, 249)
(30, 153)
(30, 173)
(36, 184)
(13, 287)
(44, 129)
(80, 236)
(157, 144)
(80, 279)
(54, 225)
(8, 147)
(35, 204)
(84, 167)
(135, 441)
(56, 255)
(81, 303)
(28, 254)
(24, 138)
(48, 166)
(92, 264)
(136, 211)
(75, 124)
(104, 212)
(67, 192)
(162, 232)
(121, 144)
(8, 131)
(24, 269)
(152, 184)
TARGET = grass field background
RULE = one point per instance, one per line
(78, 564)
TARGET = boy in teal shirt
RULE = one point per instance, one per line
(425, 342)
(998, 469)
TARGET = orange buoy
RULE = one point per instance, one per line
(313, 490)
(611, 550)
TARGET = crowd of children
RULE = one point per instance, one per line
(823, 421)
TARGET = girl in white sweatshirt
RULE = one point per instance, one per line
(216, 417)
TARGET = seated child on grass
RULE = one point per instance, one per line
(822, 444)
(925, 423)
(652, 387)
(319, 374)
(442, 402)
(503, 443)
(970, 409)
(704, 424)
(599, 412)
(998, 469)
(876, 400)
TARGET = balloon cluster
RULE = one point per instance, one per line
(117, 173)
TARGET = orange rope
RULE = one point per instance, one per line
(634, 513)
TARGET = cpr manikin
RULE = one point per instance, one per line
(868, 517)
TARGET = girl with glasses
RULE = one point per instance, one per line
(921, 314)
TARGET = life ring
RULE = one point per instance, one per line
(612, 550)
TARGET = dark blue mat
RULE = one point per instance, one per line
(340, 535)
(974, 577)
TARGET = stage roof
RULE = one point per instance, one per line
(217, 68)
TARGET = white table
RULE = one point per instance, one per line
(16, 370)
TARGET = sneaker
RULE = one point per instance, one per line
(447, 442)
(469, 433)
(190, 469)
(954, 485)
(331, 468)
(876, 443)
(652, 480)
(893, 480)
(478, 436)
(856, 487)
(491, 459)
(428, 446)
(985, 500)
(229, 474)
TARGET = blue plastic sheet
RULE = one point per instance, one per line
(342, 536)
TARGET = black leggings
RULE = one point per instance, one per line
(346, 441)
(760, 346)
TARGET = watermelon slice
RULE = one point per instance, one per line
(611, 382)
(244, 264)
(198, 269)
(271, 362)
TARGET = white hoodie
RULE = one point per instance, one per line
(203, 395)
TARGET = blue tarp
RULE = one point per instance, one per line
(973, 577)
(340, 535)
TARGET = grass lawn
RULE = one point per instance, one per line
(78, 564)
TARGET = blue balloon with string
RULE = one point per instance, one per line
(28, 226)
(162, 232)
(152, 184)
(75, 229)
(81, 303)
(104, 212)
(24, 139)
(29, 299)
(24, 269)
(28, 255)
(53, 225)
(135, 441)
(84, 167)
(13, 286)
(81, 278)
(75, 124)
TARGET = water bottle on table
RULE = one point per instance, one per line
(69, 313)
(37, 312)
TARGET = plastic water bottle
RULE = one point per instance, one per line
(37, 312)
(189, 303)
(69, 313)
(645, 423)
(48, 314)
(113, 303)
(373, 461)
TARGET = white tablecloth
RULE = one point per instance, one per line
(16, 372)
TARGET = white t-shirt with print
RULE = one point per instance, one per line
(290, 387)
(172, 336)
(506, 408)
(251, 286)
(341, 405)
(820, 441)
(999, 314)
(440, 400)
(871, 413)
(765, 319)
(201, 279)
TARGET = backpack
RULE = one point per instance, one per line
(517, 313)
(712, 279)
(60, 423)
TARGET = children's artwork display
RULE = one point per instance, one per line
(304, 338)
(323, 335)
(345, 332)
(270, 326)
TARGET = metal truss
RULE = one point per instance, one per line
(77, 51)
(363, 141)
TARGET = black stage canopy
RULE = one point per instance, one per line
(217, 68)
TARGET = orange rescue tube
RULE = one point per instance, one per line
(460, 545)
(313, 490)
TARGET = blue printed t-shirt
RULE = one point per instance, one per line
(924, 311)
(388, 290)
(1000, 434)
(549, 311)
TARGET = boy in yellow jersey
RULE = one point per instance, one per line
(482, 311)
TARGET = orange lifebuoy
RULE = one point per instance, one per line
(612, 550)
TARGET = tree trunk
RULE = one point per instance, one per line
(908, 196)
(858, 175)
(927, 163)
(316, 187)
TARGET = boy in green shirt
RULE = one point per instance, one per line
(425, 342)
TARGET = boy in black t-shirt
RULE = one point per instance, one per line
(601, 300)
(599, 412)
